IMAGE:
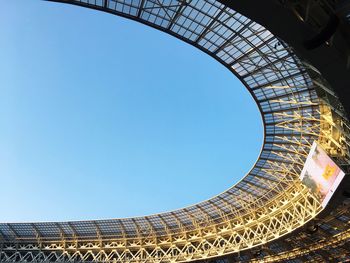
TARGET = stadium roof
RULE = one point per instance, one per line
(269, 201)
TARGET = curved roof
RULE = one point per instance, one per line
(267, 203)
(271, 72)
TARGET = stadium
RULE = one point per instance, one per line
(293, 56)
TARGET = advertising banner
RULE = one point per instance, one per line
(321, 174)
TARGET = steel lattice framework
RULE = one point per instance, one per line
(297, 107)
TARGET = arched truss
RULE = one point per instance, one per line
(297, 107)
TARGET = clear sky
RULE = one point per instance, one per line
(102, 117)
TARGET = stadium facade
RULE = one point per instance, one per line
(299, 77)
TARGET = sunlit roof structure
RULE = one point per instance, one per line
(269, 215)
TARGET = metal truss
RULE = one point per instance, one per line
(335, 240)
(297, 107)
(294, 208)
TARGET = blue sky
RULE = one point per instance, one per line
(102, 117)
